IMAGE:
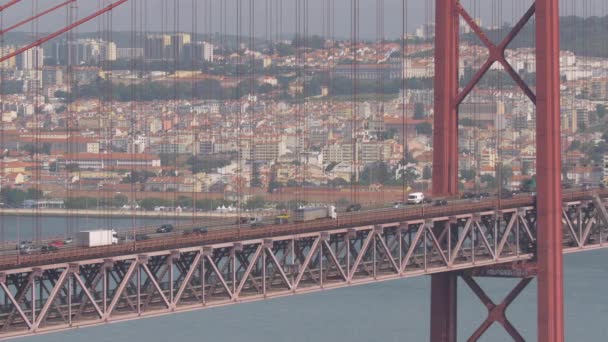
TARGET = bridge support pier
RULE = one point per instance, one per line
(444, 295)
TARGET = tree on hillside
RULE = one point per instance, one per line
(376, 173)
(600, 111)
(408, 175)
(256, 202)
(419, 111)
(427, 172)
(424, 128)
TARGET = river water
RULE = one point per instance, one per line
(390, 311)
(14, 228)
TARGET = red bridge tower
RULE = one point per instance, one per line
(546, 97)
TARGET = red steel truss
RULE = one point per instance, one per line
(64, 295)
(448, 97)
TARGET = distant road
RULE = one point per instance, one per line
(126, 213)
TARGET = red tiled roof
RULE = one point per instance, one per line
(110, 156)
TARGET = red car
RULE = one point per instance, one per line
(56, 243)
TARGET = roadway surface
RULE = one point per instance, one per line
(118, 213)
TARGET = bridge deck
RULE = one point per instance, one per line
(234, 233)
(87, 286)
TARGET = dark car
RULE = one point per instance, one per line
(141, 237)
(257, 225)
(506, 194)
(468, 195)
(200, 230)
(353, 207)
(440, 202)
(49, 249)
(483, 195)
(242, 220)
(165, 228)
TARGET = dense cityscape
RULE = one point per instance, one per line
(183, 122)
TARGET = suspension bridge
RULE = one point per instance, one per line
(522, 236)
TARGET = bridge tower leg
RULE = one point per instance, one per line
(448, 97)
(548, 170)
(445, 156)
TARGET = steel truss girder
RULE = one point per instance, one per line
(130, 286)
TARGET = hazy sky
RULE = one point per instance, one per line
(160, 14)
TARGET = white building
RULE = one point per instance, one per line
(208, 52)
(85, 51)
(31, 59)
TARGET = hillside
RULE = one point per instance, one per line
(583, 36)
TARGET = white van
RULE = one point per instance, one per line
(415, 198)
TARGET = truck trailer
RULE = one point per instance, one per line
(97, 238)
(314, 213)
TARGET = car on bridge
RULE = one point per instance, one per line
(49, 248)
(440, 202)
(281, 219)
(415, 198)
(27, 249)
(353, 208)
(200, 230)
(504, 193)
(141, 237)
(398, 205)
(56, 243)
(165, 228)
(25, 244)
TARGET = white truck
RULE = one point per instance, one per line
(314, 213)
(415, 198)
(97, 238)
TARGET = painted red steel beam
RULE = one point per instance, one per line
(445, 134)
(496, 312)
(63, 30)
(548, 170)
(496, 54)
(9, 4)
(41, 14)
(444, 290)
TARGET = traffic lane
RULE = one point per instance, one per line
(420, 210)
